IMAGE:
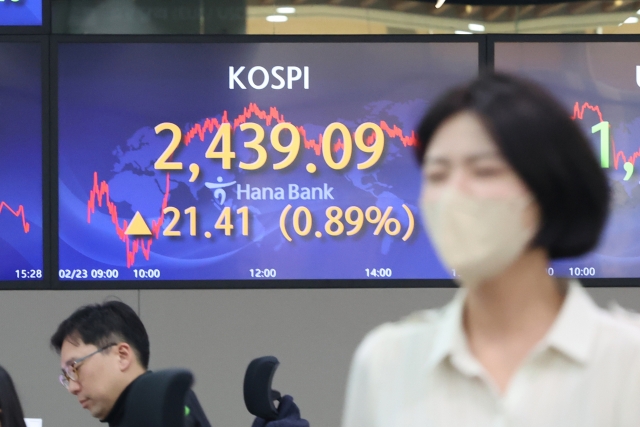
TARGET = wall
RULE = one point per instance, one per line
(216, 333)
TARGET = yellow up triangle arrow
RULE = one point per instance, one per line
(138, 227)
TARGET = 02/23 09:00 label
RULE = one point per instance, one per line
(84, 274)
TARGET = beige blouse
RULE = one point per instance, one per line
(419, 372)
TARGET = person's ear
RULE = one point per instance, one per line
(126, 356)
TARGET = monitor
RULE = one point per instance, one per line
(598, 82)
(231, 162)
(21, 145)
(21, 13)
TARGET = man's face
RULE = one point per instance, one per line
(99, 376)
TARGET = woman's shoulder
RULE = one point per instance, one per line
(613, 337)
(620, 328)
(608, 334)
(628, 317)
(415, 329)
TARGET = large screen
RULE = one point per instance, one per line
(599, 84)
(21, 244)
(19, 13)
(241, 161)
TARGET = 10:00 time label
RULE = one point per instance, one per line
(586, 271)
(148, 273)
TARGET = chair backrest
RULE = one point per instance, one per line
(157, 399)
(258, 396)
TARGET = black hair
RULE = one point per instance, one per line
(102, 324)
(544, 146)
(11, 415)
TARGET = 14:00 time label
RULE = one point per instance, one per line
(378, 272)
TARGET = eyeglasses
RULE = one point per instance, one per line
(70, 371)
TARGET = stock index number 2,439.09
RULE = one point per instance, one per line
(368, 137)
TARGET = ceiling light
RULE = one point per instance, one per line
(440, 3)
(476, 27)
(277, 18)
(286, 10)
(631, 20)
(462, 32)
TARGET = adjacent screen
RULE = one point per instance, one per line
(21, 251)
(599, 83)
(246, 160)
(16, 13)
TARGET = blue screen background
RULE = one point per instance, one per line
(111, 96)
(20, 159)
(20, 13)
(595, 82)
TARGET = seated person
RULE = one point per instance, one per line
(104, 349)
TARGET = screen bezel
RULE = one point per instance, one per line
(56, 40)
(493, 39)
(45, 28)
(45, 282)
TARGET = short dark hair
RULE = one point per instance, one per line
(101, 324)
(544, 146)
(11, 415)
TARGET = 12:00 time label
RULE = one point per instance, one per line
(263, 273)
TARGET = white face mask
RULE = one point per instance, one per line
(478, 237)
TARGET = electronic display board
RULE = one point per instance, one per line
(21, 136)
(243, 161)
(599, 84)
(21, 13)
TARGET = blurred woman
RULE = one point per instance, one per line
(10, 410)
(509, 183)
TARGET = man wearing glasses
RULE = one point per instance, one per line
(103, 349)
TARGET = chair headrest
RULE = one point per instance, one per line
(258, 396)
(157, 399)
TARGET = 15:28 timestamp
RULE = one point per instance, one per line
(29, 274)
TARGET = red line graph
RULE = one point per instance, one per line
(578, 110)
(211, 124)
(17, 213)
(578, 113)
(100, 191)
